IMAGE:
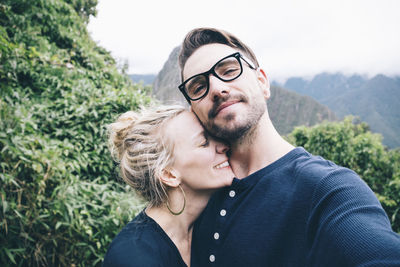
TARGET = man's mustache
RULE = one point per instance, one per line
(214, 110)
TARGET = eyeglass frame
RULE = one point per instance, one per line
(236, 55)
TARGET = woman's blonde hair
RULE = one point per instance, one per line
(137, 141)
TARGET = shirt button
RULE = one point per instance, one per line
(212, 258)
(232, 193)
(222, 212)
(216, 236)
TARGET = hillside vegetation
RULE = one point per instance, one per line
(60, 201)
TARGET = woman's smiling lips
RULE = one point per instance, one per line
(222, 165)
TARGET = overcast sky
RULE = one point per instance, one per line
(289, 37)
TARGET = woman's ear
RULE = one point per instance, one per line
(263, 80)
(170, 177)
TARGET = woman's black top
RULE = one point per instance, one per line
(142, 242)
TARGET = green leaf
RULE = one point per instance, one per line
(10, 255)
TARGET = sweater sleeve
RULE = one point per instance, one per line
(348, 226)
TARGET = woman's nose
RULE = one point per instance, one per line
(221, 148)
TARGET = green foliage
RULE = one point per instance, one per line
(60, 201)
(352, 145)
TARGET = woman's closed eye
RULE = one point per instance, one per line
(205, 142)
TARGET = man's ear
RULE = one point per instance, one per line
(170, 177)
(263, 80)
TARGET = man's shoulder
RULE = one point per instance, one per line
(307, 164)
(324, 176)
(315, 170)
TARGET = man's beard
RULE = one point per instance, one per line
(236, 133)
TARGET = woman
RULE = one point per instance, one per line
(167, 157)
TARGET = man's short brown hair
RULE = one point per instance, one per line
(203, 36)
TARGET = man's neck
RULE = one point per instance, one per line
(259, 148)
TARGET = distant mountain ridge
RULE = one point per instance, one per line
(375, 100)
(146, 79)
(287, 109)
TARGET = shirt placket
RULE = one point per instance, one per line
(222, 218)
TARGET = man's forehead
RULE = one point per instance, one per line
(205, 57)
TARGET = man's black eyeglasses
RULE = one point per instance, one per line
(227, 69)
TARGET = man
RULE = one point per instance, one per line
(286, 207)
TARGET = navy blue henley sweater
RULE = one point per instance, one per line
(301, 210)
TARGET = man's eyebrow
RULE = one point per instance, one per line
(226, 61)
(196, 78)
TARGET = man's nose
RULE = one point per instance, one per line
(221, 148)
(217, 88)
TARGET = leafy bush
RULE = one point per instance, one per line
(352, 145)
(60, 201)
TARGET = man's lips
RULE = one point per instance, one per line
(225, 104)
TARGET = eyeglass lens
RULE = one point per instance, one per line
(227, 69)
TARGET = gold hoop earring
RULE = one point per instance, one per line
(184, 203)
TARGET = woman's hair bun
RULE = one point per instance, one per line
(118, 132)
